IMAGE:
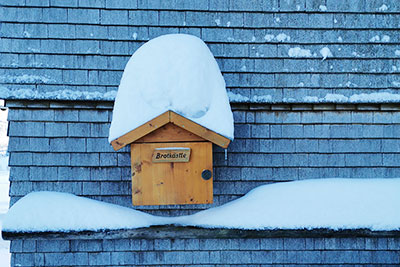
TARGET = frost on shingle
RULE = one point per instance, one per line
(299, 52)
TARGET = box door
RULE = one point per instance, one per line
(170, 178)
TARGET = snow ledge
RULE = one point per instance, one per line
(71, 95)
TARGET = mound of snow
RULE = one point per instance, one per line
(61, 212)
(323, 203)
(172, 72)
(311, 204)
(299, 52)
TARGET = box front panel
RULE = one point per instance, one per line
(162, 174)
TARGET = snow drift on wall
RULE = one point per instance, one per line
(312, 204)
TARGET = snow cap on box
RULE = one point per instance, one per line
(172, 72)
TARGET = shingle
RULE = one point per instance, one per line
(139, 17)
(171, 18)
(20, 159)
(68, 145)
(20, 188)
(13, 3)
(84, 16)
(74, 173)
(58, 15)
(43, 174)
(85, 159)
(115, 188)
(53, 246)
(24, 259)
(52, 129)
(158, 31)
(92, 3)
(91, 32)
(65, 115)
(93, 116)
(61, 31)
(19, 173)
(114, 17)
(54, 259)
(51, 159)
(99, 129)
(18, 144)
(108, 159)
(26, 129)
(78, 129)
(64, 3)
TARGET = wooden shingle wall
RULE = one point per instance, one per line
(208, 252)
(51, 45)
(62, 146)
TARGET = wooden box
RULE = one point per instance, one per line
(171, 161)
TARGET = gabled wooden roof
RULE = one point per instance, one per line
(176, 119)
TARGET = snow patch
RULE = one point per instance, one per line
(262, 98)
(340, 39)
(376, 38)
(395, 83)
(24, 79)
(269, 37)
(381, 97)
(134, 35)
(325, 52)
(311, 99)
(218, 22)
(172, 72)
(299, 52)
(383, 8)
(254, 99)
(238, 97)
(397, 53)
(66, 94)
(385, 38)
(323, 8)
(282, 37)
(335, 98)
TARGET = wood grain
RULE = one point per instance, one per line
(169, 133)
(184, 130)
(141, 131)
(171, 182)
(199, 130)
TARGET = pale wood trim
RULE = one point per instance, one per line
(199, 130)
(176, 119)
(170, 133)
(140, 131)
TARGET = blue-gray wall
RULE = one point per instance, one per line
(84, 45)
(80, 45)
(208, 252)
(63, 147)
